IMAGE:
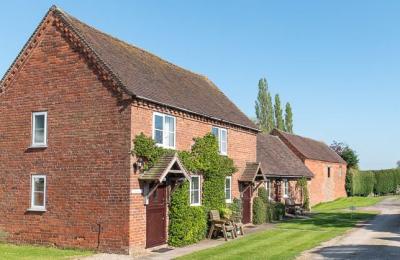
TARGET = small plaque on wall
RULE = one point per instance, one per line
(136, 191)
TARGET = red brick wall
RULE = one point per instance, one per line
(241, 148)
(87, 163)
(323, 188)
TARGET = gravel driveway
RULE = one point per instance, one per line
(377, 239)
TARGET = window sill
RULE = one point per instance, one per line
(37, 147)
(36, 210)
(228, 201)
(195, 205)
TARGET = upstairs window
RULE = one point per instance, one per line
(329, 171)
(164, 133)
(340, 171)
(228, 189)
(38, 192)
(39, 129)
(195, 193)
(222, 136)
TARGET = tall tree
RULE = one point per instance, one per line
(278, 114)
(264, 109)
(348, 154)
(288, 118)
(398, 164)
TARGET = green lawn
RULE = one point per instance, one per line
(11, 252)
(290, 238)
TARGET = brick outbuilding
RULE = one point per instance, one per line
(328, 167)
(70, 104)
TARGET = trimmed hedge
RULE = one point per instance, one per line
(363, 182)
(259, 211)
(381, 182)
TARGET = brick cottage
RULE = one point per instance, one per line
(282, 169)
(328, 167)
(70, 104)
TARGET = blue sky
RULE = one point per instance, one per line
(336, 62)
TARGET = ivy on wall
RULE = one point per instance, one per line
(189, 224)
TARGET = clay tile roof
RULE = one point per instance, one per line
(252, 172)
(149, 77)
(167, 164)
(309, 148)
(277, 160)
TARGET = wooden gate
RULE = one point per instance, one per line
(156, 218)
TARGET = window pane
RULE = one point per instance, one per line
(39, 184)
(39, 121)
(39, 136)
(158, 122)
(171, 139)
(38, 199)
(214, 131)
(169, 124)
(223, 148)
(158, 136)
(223, 135)
(195, 183)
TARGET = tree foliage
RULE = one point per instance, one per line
(398, 164)
(288, 118)
(264, 107)
(348, 154)
(280, 124)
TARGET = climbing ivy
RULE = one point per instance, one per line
(203, 159)
(302, 184)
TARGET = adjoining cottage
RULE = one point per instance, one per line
(328, 167)
(71, 104)
(281, 168)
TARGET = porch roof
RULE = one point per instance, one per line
(252, 173)
(169, 164)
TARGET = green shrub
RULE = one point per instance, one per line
(262, 193)
(387, 181)
(279, 210)
(349, 182)
(188, 224)
(259, 211)
(363, 182)
(236, 208)
(226, 213)
(270, 212)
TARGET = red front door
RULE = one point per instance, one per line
(246, 199)
(156, 218)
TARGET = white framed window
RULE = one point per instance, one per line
(195, 190)
(228, 189)
(340, 171)
(222, 137)
(286, 188)
(164, 130)
(39, 129)
(38, 192)
(268, 188)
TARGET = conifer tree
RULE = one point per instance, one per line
(278, 114)
(264, 108)
(288, 118)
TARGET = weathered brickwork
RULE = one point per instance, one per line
(324, 188)
(86, 162)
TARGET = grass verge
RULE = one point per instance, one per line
(292, 237)
(17, 252)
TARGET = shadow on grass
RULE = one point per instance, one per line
(360, 252)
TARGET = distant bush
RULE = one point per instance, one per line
(380, 182)
(236, 208)
(363, 183)
(387, 181)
